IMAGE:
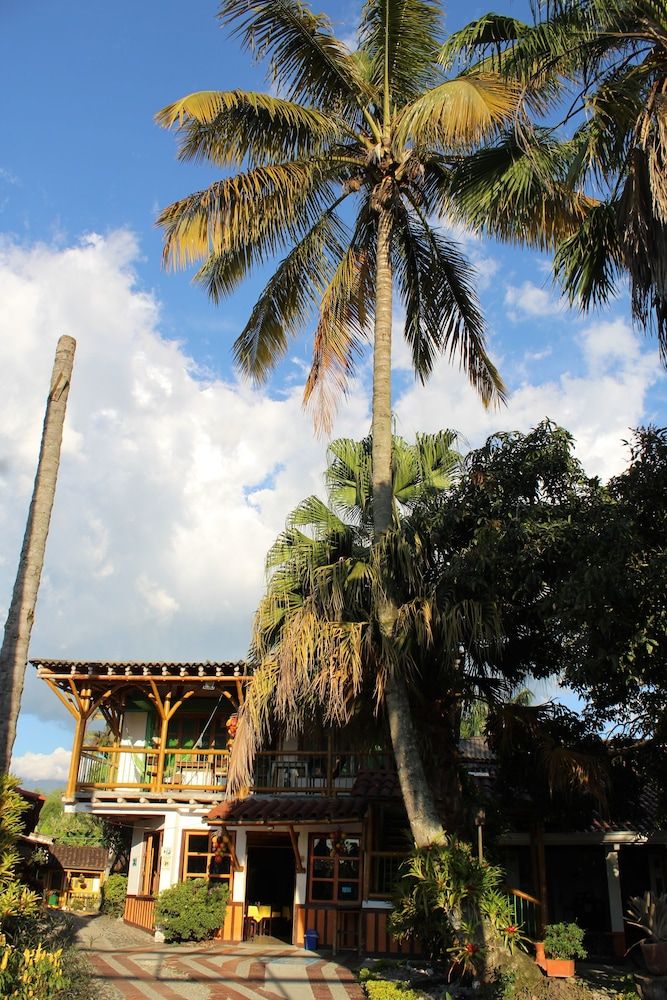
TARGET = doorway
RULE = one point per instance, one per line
(270, 881)
(150, 875)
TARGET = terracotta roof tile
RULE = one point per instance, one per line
(288, 809)
(376, 785)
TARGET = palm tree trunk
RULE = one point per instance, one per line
(14, 653)
(419, 803)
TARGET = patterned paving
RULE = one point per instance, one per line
(224, 972)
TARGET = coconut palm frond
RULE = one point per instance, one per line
(264, 206)
(644, 247)
(292, 293)
(519, 192)
(401, 37)
(441, 309)
(488, 34)
(305, 60)
(230, 127)
(458, 113)
(589, 262)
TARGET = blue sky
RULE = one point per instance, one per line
(175, 476)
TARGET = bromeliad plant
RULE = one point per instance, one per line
(452, 903)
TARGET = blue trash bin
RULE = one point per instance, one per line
(310, 940)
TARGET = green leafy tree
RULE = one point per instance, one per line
(343, 173)
(69, 828)
(576, 571)
(590, 182)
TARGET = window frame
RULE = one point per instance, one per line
(225, 879)
(337, 879)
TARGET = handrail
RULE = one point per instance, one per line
(524, 895)
(114, 768)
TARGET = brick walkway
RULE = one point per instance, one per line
(222, 972)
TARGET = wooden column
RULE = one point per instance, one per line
(79, 733)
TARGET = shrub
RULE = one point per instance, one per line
(30, 972)
(114, 892)
(381, 989)
(89, 903)
(191, 911)
(564, 941)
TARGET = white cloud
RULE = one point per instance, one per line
(527, 300)
(36, 767)
(172, 485)
(597, 405)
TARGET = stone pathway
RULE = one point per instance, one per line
(263, 969)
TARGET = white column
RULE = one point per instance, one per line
(614, 890)
(239, 881)
(171, 852)
(136, 858)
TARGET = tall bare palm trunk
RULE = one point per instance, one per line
(419, 804)
(14, 653)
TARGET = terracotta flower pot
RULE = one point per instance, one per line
(559, 968)
(540, 958)
(655, 956)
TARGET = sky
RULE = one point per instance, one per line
(176, 476)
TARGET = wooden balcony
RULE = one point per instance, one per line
(150, 771)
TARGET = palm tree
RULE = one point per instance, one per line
(21, 614)
(318, 643)
(592, 184)
(342, 172)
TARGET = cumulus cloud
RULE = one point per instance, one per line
(173, 483)
(528, 301)
(598, 402)
(35, 767)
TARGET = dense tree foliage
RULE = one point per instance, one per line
(69, 828)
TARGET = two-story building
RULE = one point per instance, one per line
(315, 843)
(317, 838)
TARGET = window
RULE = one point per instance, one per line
(334, 868)
(390, 846)
(207, 856)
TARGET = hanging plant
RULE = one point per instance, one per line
(337, 844)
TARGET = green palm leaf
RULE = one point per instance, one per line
(305, 59)
(401, 36)
(291, 295)
(230, 127)
(459, 112)
(441, 311)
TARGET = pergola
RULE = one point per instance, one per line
(86, 687)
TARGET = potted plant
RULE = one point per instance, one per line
(649, 913)
(562, 944)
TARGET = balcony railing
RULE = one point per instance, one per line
(175, 770)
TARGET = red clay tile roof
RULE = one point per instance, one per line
(288, 809)
(86, 859)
